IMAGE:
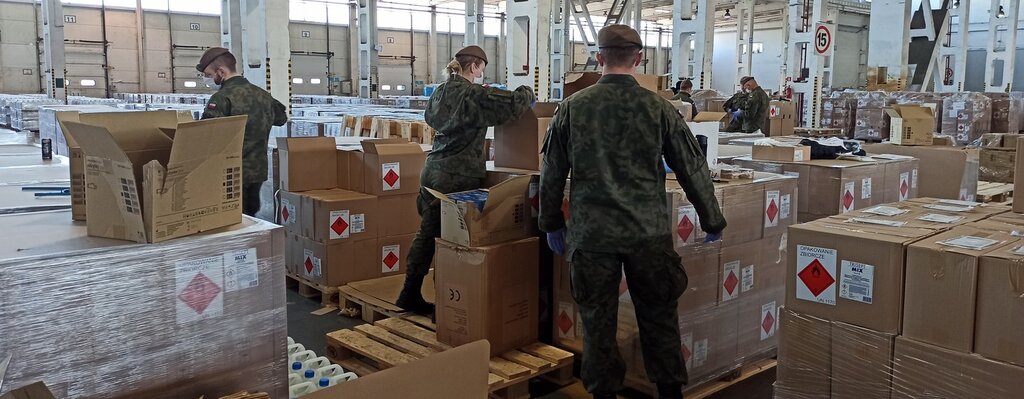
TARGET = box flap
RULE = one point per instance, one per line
(710, 116)
(135, 131)
(506, 189)
(390, 147)
(96, 141)
(297, 144)
(439, 195)
(914, 112)
(893, 113)
(203, 139)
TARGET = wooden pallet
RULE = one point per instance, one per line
(707, 389)
(357, 304)
(373, 299)
(367, 349)
(328, 295)
(989, 192)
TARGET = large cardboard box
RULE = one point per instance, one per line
(720, 121)
(736, 273)
(805, 356)
(333, 215)
(911, 124)
(517, 144)
(1018, 176)
(742, 204)
(781, 119)
(576, 81)
(340, 263)
(307, 163)
(999, 321)
(941, 286)
(152, 182)
(350, 169)
(849, 273)
(488, 293)
(484, 217)
(702, 266)
(392, 167)
(997, 165)
(796, 153)
(861, 362)
(398, 215)
(945, 172)
(900, 182)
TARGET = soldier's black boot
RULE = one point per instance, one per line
(672, 390)
(411, 299)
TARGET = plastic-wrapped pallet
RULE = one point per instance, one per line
(97, 318)
(926, 99)
(839, 111)
(966, 117)
(1007, 112)
(872, 123)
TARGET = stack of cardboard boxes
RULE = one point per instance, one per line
(1007, 112)
(945, 171)
(871, 122)
(966, 116)
(907, 300)
(349, 213)
(998, 155)
(840, 111)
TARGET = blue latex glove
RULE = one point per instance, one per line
(736, 115)
(712, 237)
(556, 241)
(534, 103)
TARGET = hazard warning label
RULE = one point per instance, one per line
(730, 280)
(847, 198)
(686, 224)
(688, 349)
(904, 188)
(199, 289)
(339, 224)
(391, 174)
(769, 320)
(390, 258)
(748, 279)
(564, 321)
(311, 264)
(785, 206)
(913, 179)
(772, 209)
(288, 213)
(816, 274)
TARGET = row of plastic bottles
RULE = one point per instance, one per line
(308, 373)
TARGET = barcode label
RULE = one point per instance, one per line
(856, 282)
(241, 270)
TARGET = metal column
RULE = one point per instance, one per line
(54, 68)
(951, 70)
(560, 47)
(474, 23)
(353, 49)
(368, 50)
(808, 71)
(528, 47)
(432, 74)
(231, 26)
(140, 24)
(1002, 45)
(744, 41)
(256, 32)
(890, 29)
(696, 27)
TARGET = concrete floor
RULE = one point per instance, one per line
(310, 329)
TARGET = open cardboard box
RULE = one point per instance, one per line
(503, 217)
(392, 166)
(517, 144)
(150, 182)
(720, 119)
(911, 124)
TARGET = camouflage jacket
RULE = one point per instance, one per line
(755, 110)
(239, 97)
(612, 136)
(461, 111)
(686, 98)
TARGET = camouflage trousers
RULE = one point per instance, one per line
(656, 279)
(422, 252)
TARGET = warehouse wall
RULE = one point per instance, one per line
(19, 64)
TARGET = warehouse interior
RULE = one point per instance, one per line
(251, 199)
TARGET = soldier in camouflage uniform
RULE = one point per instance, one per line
(239, 97)
(754, 111)
(732, 105)
(613, 137)
(460, 111)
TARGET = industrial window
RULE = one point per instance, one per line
(297, 81)
(88, 83)
(400, 87)
(314, 81)
(190, 84)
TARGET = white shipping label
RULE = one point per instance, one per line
(857, 281)
(688, 349)
(199, 289)
(904, 187)
(241, 270)
(847, 198)
(970, 242)
(865, 188)
(358, 223)
(883, 210)
(786, 208)
(913, 178)
(934, 217)
(339, 224)
(687, 224)
(815, 274)
(879, 222)
(798, 156)
(565, 321)
(390, 258)
(772, 209)
(311, 264)
(700, 352)
(748, 279)
(391, 176)
(730, 280)
(769, 320)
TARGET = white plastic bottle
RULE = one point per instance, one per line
(310, 376)
(302, 356)
(291, 341)
(323, 383)
(330, 371)
(295, 379)
(317, 363)
(295, 348)
(338, 379)
(298, 390)
(296, 368)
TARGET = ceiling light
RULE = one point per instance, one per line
(727, 15)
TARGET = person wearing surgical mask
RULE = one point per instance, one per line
(236, 96)
(460, 110)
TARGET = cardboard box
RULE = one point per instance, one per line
(742, 204)
(797, 153)
(576, 81)
(307, 163)
(392, 167)
(334, 215)
(153, 183)
(922, 370)
(337, 264)
(488, 293)
(911, 124)
(37, 390)
(398, 215)
(517, 144)
(1018, 176)
(999, 321)
(781, 119)
(685, 109)
(121, 124)
(849, 273)
(805, 356)
(350, 169)
(501, 218)
(945, 172)
(861, 362)
(393, 252)
(736, 273)
(702, 265)
(997, 165)
(686, 222)
(900, 180)
(719, 119)
(941, 286)
(290, 212)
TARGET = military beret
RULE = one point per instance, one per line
(209, 56)
(618, 36)
(475, 51)
(746, 79)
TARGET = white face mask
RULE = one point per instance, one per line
(479, 80)
(210, 82)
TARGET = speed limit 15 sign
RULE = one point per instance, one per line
(824, 39)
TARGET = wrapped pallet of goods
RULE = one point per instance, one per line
(871, 122)
(966, 117)
(839, 111)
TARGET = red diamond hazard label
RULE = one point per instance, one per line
(904, 186)
(730, 280)
(391, 175)
(769, 318)
(904, 189)
(391, 259)
(564, 321)
(686, 354)
(847, 201)
(730, 283)
(685, 227)
(816, 278)
(772, 211)
(390, 256)
(391, 178)
(339, 226)
(199, 293)
(768, 323)
(284, 213)
(308, 265)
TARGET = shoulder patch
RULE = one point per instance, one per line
(211, 106)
